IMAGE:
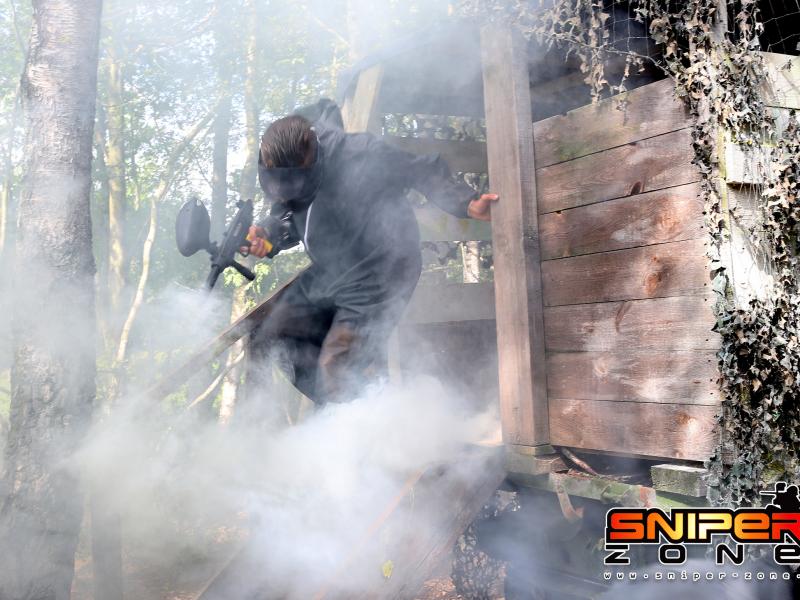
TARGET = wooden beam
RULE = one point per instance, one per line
(435, 225)
(684, 431)
(606, 489)
(515, 233)
(629, 117)
(461, 155)
(680, 479)
(430, 104)
(558, 85)
(213, 348)
(360, 111)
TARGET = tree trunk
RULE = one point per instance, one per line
(6, 247)
(230, 386)
(100, 219)
(222, 121)
(53, 376)
(198, 385)
(471, 259)
(105, 519)
(115, 167)
(247, 189)
(219, 176)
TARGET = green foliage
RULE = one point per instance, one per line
(760, 354)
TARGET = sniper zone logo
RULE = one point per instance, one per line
(777, 523)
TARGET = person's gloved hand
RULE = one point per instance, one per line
(481, 208)
(259, 245)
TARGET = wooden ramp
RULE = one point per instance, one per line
(397, 551)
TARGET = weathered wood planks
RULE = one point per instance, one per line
(650, 164)
(645, 112)
(676, 323)
(656, 217)
(678, 431)
(462, 156)
(683, 377)
(624, 277)
(673, 269)
(515, 233)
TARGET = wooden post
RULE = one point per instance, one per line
(515, 234)
(360, 111)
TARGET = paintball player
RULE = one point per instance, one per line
(344, 196)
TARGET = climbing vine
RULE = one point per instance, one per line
(712, 59)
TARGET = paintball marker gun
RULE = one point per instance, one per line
(192, 233)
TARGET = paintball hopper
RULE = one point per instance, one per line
(192, 234)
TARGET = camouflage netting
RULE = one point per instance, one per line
(710, 49)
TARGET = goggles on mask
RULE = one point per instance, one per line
(294, 187)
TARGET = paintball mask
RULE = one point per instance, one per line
(292, 187)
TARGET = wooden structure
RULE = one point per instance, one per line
(600, 310)
(602, 293)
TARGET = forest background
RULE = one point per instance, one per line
(185, 90)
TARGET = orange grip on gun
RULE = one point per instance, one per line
(258, 245)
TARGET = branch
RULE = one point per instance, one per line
(15, 22)
(217, 380)
(167, 178)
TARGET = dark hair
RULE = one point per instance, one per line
(287, 142)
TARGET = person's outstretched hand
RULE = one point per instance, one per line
(481, 208)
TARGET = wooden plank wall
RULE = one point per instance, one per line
(629, 350)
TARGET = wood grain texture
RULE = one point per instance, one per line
(360, 111)
(685, 377)
(651, 164)
(461, 156)
(678, 431)
(674, 269)
(677, 323)
(667, 215)
(515, 233)
(782, 87)
(642, 113)
(398, 100)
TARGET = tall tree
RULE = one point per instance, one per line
(247, 189)
(115, 169)
(53, 375)
(222, 120)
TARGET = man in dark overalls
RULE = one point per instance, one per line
(344, 196)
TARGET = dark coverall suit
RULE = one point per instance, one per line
(333, 325)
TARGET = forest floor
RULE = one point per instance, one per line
(154, 583)
(148, 580)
